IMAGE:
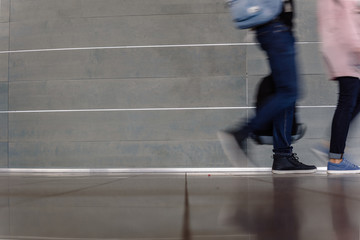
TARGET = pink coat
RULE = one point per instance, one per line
(339, 32)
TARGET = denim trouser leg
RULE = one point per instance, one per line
(282, 126)
(279, 44)
(347, 109)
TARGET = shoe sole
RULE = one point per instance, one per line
(343, 171)
(293, 171)
(231, 149)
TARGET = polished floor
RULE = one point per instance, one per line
(179, 206)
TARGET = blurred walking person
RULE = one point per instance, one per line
(277, 40)
(339, 31)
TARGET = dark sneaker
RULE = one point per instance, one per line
(284, 164)
(234, 145)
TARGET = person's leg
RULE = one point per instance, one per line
(344, 113)
(282, 127)
(280, 48)
(357, 105)
(346, 110)
(285, 161)
(279, 44)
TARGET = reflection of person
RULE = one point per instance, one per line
(277, 40)
(278, 217)
(339, 30)
(344, 226)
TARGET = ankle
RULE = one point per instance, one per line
(336, 161)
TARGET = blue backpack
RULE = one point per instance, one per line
(252, 13)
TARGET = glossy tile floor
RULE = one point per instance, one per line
(179, 206)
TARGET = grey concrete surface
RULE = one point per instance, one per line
(114, 93)
(127, 63)
(130, 30)
(52, 9)
(137, 78)
(119, 126)
(118, 154)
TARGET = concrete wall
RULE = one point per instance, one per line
(67, 77)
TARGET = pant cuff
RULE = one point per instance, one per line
(335, 155)
(283, 151)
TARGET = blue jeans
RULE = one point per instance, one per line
(347, 109)
(277, 40)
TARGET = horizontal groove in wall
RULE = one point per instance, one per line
(145, 109)
(141, 170)
(139, 47)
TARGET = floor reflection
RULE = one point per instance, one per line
(268, 211)
(345, 226)
(296, 208)
(190, 206)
